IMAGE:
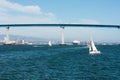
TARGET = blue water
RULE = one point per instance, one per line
(59, 63)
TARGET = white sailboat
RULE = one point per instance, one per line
(92, 48)
(49, 43)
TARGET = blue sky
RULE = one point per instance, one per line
(62, 11)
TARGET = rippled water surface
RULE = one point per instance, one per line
(59, 63)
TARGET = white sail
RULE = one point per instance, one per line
(49, 43)
(92, 48)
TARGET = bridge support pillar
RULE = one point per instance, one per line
(7, 38)
(62, 37)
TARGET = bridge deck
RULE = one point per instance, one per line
(59, 25)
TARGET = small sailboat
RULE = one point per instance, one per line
(49, 43)
(92, 48)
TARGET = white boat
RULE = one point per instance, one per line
(76, 42)
(49, 43)
(92, 48)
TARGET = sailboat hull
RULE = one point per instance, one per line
(94, 52)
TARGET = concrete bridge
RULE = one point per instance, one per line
(62, 26)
